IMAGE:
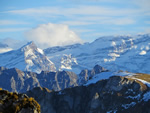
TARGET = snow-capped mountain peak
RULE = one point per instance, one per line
(112, 52)
(28, 46)
(27, 58)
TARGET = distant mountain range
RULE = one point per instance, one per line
(128, 53)
(115, 53)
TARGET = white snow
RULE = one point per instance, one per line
(27, 58)
(98, 77)
(142, 52)
(124, 73)
(126, 106)
(29, 62)
(67, 61)
(112, 52)
(147, 48)
(40, 50)
(143, 81)
(113, 55)
(113, 43)
(146, 96)
(3, 50)
(134, 97)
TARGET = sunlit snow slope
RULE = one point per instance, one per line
(129, 53)
(27, 58)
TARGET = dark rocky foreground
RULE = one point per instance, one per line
(17, 103)
(114, 95)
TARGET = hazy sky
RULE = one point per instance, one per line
(61, 22)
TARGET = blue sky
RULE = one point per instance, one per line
(84, 19)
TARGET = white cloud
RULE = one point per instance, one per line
(12, 29)
(13, 43)
(75, 23)
(11, 22)
(119, 21)
(147, 22)
(147, 30)
(47, 35)
(78, 10)
(143, 4)
(36, 11)
(91, 14)
(108, 20)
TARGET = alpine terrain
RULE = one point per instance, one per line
(109, 75)
(128, 53)
(27, 58)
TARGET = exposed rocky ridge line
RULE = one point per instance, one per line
(114, 95)
(86, 74)
(19, 81)
(17, 103)
(61, 48)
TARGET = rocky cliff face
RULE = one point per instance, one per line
(116, 94)
(19, 81)
(16, 80)
(86, 74)
(17, 103)
(58, 80)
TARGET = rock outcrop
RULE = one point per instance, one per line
(20, 81)
(17, 103)
(16, 80)
(116, 94)
(86, 74)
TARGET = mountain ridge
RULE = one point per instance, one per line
(127, 53)
(20, 81)
(116, 94)
(27, 58)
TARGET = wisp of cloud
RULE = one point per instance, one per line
(48, 35)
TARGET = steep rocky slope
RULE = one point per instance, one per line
(27, 58)
(20, 81)
(114, 95)
(17, 103)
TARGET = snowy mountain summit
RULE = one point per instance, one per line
(27, 58)
(128, 53)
